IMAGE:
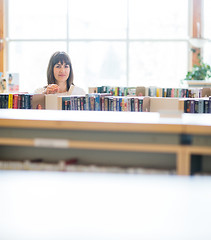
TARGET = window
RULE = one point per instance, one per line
(110, 42)
(207, 31)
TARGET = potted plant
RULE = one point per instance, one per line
(199, 72)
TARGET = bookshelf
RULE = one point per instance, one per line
(106, 138)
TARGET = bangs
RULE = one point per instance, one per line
(62, 58)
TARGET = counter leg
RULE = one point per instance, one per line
(183, 162)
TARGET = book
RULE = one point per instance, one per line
(51, 101)
(140, 102)
(146, 104)
(12, 82)
(140, 91)
(196, 106)
(201, 106)
(206, 106)
(15, 101)
(159, 103)
(206, 92)
(181, 105)
(37, 101)
(187, 106)
(192, 106)
(10, 101)
(93, 90)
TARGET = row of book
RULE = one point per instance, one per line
(89, 102)
(67, 166)
(104, 102)
(197, 105)
(17, 101)
(153, 91)
(22, 101)
(101, 102)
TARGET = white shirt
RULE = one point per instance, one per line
(73, 90)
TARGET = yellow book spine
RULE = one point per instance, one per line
(10, 101)
(116, 91)
(157, 92)
(123, 105)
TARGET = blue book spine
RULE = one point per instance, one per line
(140, 109)
(201, 106)
(120, 104)
(1, 100)
(132, 105)
(27, 101)
(97, 103)
(196, 107)
(209, 104)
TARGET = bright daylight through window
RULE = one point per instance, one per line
(111, 42)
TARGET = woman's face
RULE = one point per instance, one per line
(61, 72)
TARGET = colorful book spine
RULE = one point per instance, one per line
(132, 105)
(192, 106)
(196, 106)
(209, 104)
(97, 102)
(136, 104)
(10, 101)
(201, 106)
(140, 105)
(206, 106)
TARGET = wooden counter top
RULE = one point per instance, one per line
(88, 120)
(110, 121)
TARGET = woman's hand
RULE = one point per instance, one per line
(51, 89)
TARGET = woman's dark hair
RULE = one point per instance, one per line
(61, 57)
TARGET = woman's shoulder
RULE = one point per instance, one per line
(39, 90)
(75, 90)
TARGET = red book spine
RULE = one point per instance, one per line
(19, 101)
(15, 101)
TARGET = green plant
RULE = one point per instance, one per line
(199, 72)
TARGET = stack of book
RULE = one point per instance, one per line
(153, 91)
(22, 101)
(106, 102)
(98, 102)
(74, 166)
(200, 105)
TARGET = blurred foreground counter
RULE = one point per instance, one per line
(126, 139)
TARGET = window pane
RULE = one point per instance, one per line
(98, 63)
(30, 60)
(97, 19)
(37, 19)
(160, 64)
(207, 19)
(158, 19)
(207, 53)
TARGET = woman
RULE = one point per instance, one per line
(60, 76)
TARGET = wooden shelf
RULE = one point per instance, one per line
(107, 131)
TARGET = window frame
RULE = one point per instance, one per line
(195, 15)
